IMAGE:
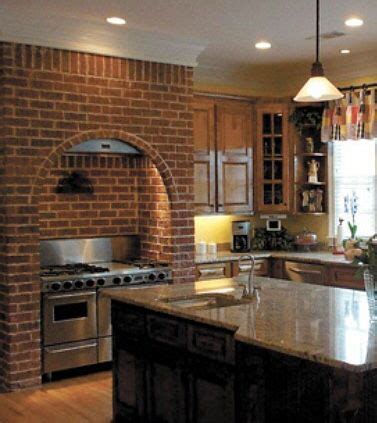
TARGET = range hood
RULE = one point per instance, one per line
(99, 145)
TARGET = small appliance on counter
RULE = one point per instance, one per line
(240, 236)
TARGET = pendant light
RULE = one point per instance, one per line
(318, 87)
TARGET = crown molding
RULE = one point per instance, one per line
(128, 43)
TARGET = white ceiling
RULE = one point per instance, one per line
(220, 33)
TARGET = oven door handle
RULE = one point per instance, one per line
(80, 347)
(79, 294)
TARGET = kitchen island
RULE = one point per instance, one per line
(295, 353)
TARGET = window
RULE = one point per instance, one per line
(354, 170)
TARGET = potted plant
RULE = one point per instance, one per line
(306, 116)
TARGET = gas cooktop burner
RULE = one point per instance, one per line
(71, 269)
(145, 264)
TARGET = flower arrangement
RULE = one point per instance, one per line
(350, 206)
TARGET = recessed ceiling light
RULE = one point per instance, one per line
(344, 51)
(116, 21)
(354, 22)
(263, 45)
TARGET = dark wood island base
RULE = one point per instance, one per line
(169, 369)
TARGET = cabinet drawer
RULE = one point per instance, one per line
(304, 272)
(213, 271)
(260, 267)
(128, 321)
(344, 277)
(167, 331)
(216, 345)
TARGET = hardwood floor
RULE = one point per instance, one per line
(74, 400)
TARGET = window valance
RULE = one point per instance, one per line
(353, 117)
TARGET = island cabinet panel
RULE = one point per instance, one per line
(170, 370)
(215, 345)
(211, 392)
(250, 386)
(234, 162)
(166, 386)
(205, 156)
(129, 401)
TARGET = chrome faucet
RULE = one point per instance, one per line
(250, 280)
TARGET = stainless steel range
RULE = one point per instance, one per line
(76, 315)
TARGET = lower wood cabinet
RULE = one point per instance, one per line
(304, 272)
(213, 271)
(243, 267)
(343, 277)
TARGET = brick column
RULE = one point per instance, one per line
(51, 100)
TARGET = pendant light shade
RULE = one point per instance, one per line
(318, 87)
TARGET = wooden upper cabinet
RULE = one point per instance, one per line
(272, 162)
(234, 157)
(204, 156)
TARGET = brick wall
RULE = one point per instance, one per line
(112, 209)
(129, 198)
(51, 100)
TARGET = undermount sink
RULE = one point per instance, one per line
(205, 301)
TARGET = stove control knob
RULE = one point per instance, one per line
(117, 281)
(55, 286)
(127, 279)
(101, 282)
(161, 276)
(152, 277)
(79, 284)
(67, 285)
(90, 283)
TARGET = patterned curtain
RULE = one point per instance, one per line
(354, 117)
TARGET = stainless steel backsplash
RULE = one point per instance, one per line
(89, 250)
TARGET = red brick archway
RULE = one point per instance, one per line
(135, 141)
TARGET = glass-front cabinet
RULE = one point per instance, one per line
(272, 162)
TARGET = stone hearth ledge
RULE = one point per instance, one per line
(319, 257)
(317, 323)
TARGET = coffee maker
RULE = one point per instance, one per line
(240, 236)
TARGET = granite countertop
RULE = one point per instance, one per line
(321, 257)
(317, 323)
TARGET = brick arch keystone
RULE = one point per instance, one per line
(123, 136)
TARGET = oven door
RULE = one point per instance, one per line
(69, 316)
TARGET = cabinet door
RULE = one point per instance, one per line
(211, 392)
(272, 159)
(166, 386)
(204, 156)
(234, 165)
(129, 386)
